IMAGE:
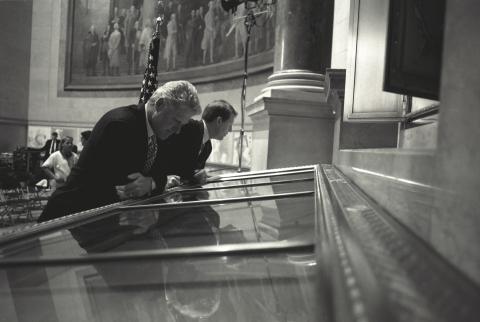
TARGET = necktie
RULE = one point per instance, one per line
(151, 153)
(53, 146)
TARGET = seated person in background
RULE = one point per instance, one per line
(189, 150)
(122, 157)
(52, 145)
(61, 162)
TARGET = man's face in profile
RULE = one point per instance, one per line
(223, 127)
(169, 119)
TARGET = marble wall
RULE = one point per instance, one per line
(14, 69)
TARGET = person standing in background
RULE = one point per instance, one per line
(52, 145)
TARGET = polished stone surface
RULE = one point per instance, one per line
(399, 180)
(276, 125)
(456, 225)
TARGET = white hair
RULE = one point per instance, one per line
(176, 93)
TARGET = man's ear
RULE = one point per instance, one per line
(219, 120)
(159, 104)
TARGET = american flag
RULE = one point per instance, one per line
(149, 83)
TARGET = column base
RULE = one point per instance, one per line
(291, 129)
(295, 84)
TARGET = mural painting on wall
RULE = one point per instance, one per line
(110, 39)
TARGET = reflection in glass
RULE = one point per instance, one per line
(147, 229)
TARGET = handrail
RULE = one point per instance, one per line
(162, 254)
(35, 230)
(259, 176)
(187, 204)
(243, 185)
(421, 113)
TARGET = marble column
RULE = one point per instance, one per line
(292, 122)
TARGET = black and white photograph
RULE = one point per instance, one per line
(239, 161)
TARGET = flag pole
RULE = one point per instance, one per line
(149, 83)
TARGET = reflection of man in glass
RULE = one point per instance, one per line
(189, 150)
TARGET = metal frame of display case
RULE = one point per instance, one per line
(36, 230)
(369, 267)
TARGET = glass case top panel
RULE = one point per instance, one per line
(252, 177)
(248, 288)
(201, 225)
(259, 187)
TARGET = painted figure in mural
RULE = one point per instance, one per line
(208, 33)
(144, 44)
(104, 51)
(199, 26)
(189, 32)
(91, 45)
(170, 52)
(182, 17)
(131, 26)
(240, 31)
(114, 50)
(133, 39)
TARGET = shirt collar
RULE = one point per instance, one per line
(149, 128)
(206, 136)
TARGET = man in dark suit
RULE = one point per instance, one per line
(52, 145)
(189, 150)
(121, 159)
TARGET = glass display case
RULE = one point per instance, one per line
(295, 244)
(240, 248)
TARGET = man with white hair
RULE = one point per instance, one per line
(120, 160)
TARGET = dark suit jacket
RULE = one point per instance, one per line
(47, 147)
(117, 147)
(182, 150)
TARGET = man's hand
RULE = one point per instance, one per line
(58, 178)
(200, 176)
(172, 181)
(139, 187)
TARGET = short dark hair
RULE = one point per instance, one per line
(218, 108)
(86, 134)
(54, 134)
(64, 139)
